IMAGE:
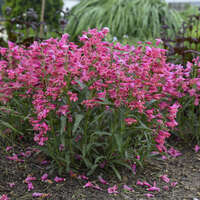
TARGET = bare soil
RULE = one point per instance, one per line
(185, 170)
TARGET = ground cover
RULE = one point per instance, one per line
(183, 172)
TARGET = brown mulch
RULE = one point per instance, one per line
(185, 170)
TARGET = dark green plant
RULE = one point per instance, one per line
(14, 10)
(185, 45)
(136, 18)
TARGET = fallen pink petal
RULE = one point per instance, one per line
(59, 179)
(196, 148)
(44, 177)
(8, 148)
(126, 187)
(102, 180)
(83, 177)
(166, 187)
(4, 197)
(154, 189)
(42, 195)
(148, 195)
(96, 187)
(173, 184)
(30, 186)
(146, 184)
(30, 178)
(88, 184)
(139, 183)
(133, 167)
(174, 153)
(165, 178)
(113, 190)
(11, 185)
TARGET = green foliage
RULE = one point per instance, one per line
(137, 18)
(190, 10)
(18, 7)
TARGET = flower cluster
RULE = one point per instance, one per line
(62, 79)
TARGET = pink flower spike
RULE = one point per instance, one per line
(102, 180)
(173, 184)
(196, 148)
(44, 177)
(113, 190)
(58, 179)
(88, 184)
(4, 197)
(126, 187)
(139, 183)
(11, 185)
(165, 178)
(146, 184)
(148, 195)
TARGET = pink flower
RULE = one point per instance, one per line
(130, 121)
(126, 187)
(96, 187)
(173, 184)
(146, 184)
(113, 190)
(102, 180)
(8, 148)
(174, 153)
(139, 183)
(165, 178)
(196, 148)
(37, 194)
(30, 178)
(42, 195)
(83, 177)
(154, 189)
(44, 177)
(59, 179)
(15, 158)
(30, 186)
(4, 197)
(133, 167)
(88, 184)
(11, 185)
(158, 41)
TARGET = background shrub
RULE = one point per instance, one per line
(136, 18)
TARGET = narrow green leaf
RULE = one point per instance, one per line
(78, 118)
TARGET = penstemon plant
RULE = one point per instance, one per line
(98, 105)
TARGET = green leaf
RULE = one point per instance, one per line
(78, 118)
(10, 126)
(63, 120)
(101, 133)
(116, 172)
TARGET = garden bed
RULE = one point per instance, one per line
(183, 170)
